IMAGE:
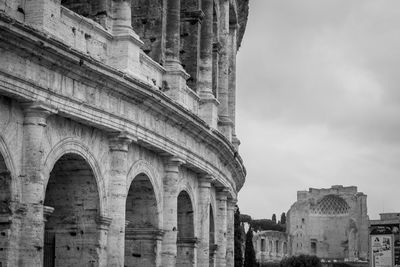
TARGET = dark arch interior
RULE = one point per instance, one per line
(5, 210)
(212, 237)
(5, 188)
(185, 216)
(186, 241)
(142, 239)
(189, 42)
(71, 236)
(147, 23)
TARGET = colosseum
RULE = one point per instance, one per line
(117, 132)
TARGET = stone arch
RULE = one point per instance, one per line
(10, 166)
(73, 146)
(147, 22)
(189, 190)
(353, 240)
(143, 166)
(143, 234)
(186, 241)
(72, 213)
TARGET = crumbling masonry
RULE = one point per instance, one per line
(117, 132)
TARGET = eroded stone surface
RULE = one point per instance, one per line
(105, 137)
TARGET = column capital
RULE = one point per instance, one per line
(47, 211)
(222, 193)
(120, 141)
(206, 180)
(173, 161)
(103, 222)
(36, 113)
(194, 16)
(232, 203)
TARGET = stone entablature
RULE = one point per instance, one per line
(140, 112)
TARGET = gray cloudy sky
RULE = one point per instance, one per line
(319, 101)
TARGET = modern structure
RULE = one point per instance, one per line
(384, 240)
(270, 246)
(330, 223)
(117, 132)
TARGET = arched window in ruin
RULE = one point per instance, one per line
(186, 241)
(142, 236)
(216, 51)
(71, 209)
(191, 16)
(88, 8)
(5, 211)
(147, 22)
(212, 244)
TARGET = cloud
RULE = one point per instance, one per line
(318, 102)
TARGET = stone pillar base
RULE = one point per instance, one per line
(209, 110)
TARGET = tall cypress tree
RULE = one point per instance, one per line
(274, 218)
(283, 218)
(238, 239)
(249, 254)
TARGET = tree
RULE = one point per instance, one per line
(249, 254)
(301, 260)
(283, 218)
(244, 218)
(265, 224)
(274, 218)
(238, 239)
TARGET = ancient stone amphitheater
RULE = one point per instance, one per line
(117, 132)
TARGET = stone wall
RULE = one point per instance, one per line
(108, 155)
(329, 223)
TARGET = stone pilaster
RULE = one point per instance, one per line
(121, 15)
(103, 227)
(43, 14)
(232, 44)
(176, 76)
(209, 104)
(170, 211)
(221, 225)
(224, 120)
(230, 240)
(204, 220)
(32, 223)
(117, 199)
(125, 50)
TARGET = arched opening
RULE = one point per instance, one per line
(142, 236)
(71, 210)
(5, 212)
(212, 245)
(216, 51)
(191, 17)
(147, 22)
(186, 241)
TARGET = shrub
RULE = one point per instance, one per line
(301, 261)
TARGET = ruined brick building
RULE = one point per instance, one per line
(117, 132)
(331, 223)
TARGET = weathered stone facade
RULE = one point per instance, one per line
(270, 246)
(117, 132)
(330, 223)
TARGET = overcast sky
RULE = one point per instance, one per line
(319, 102)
